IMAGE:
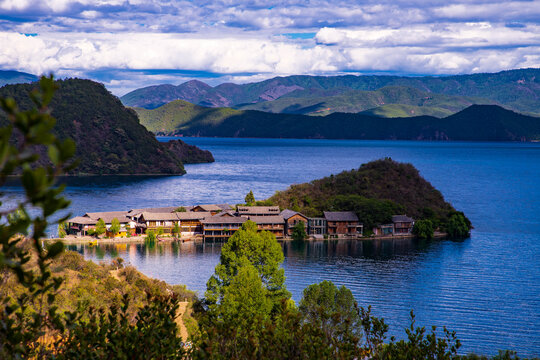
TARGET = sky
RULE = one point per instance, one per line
(127, 44)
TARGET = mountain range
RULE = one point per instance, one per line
(475, 123)
(15, 77)
(517, 90)
(110, 140)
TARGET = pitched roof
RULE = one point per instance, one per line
(154, 216)
(258, 210)
(340, 216)
(225, 207)
(107, 216)
(82, 220)
(208, 207)
(166, 209)
(193, 215)
(401, 218)
(267, 219)
(287, 214)
(217, 219)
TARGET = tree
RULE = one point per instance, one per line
(458, 227)
(100, 228)
(299, 232)
(423, 229)
(250, 198)
(180, 209)
(115, 226)
(25, 319)
(176, 229)
(247, 246)
(150, 236)
(62, 230)
(160, 230)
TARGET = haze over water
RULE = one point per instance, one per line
(487, 288)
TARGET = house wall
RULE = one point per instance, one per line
(293, 220)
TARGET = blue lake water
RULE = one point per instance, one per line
(487, 288)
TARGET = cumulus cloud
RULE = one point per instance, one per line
(246, 40)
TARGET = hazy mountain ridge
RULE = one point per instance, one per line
(475, 123)
(15, 77)
(109, 137)
(518, 90)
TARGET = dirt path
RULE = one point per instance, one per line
(181, 310)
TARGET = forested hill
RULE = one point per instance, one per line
(518, 89)
(475, 123)
(375, 191)
(109, 138)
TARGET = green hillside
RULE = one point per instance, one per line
(378, 190)
(16, 77)
(477, 122)
(109, 137)
(517, 90)
(415, 102)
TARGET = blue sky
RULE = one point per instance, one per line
(128, 44)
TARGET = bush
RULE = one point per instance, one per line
(423, 229)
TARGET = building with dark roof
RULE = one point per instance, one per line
(258, 210)
(403, 224)
(343, 223)
(292, 218)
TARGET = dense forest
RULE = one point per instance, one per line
(108, 136)
(375, 191)
(475, 123)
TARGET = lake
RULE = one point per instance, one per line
(487, 287)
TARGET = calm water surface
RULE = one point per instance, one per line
(487, 288)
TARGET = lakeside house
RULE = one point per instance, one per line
(343, 223)
(217, 222)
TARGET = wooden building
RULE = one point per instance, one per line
(258, 210)
(292, 218)
(317, 227)
(156, 221)
(191, 221)
(403, 224)
(384, 230)
(213, 209)
(80, 225)
(274, 224)
(222, 226)
(342, 223)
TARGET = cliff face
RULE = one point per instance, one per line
(189, 154)
(110, 140)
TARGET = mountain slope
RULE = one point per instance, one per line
(109, 138)
(381, 180)
(15, 77)
(478, 122)
(353, 101)
(515, 89)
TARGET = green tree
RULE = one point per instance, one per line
(248, 246)
(250, 198)
(180, 209)
(458, 226)
(176, 229)
(100, 228)
(423, 229)
(62, 230)
(160, 231)
(26, 318)
(115, 227)
(150, 236)
(299, 232)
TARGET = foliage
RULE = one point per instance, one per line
(62, 230)
(150, 236)
(100, 228)
(458, 226)
(421, 346)
(180, 209)
(299, 232)
(250, 198)
(176, 229)
(160, 231)
(423, 229)
(115, 226)
(86, 111)
(249, 247)
(375, 191)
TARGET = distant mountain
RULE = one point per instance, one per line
(518, 90)
(403, 101)
(109, 138)
(15, 77)
(477, 122)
